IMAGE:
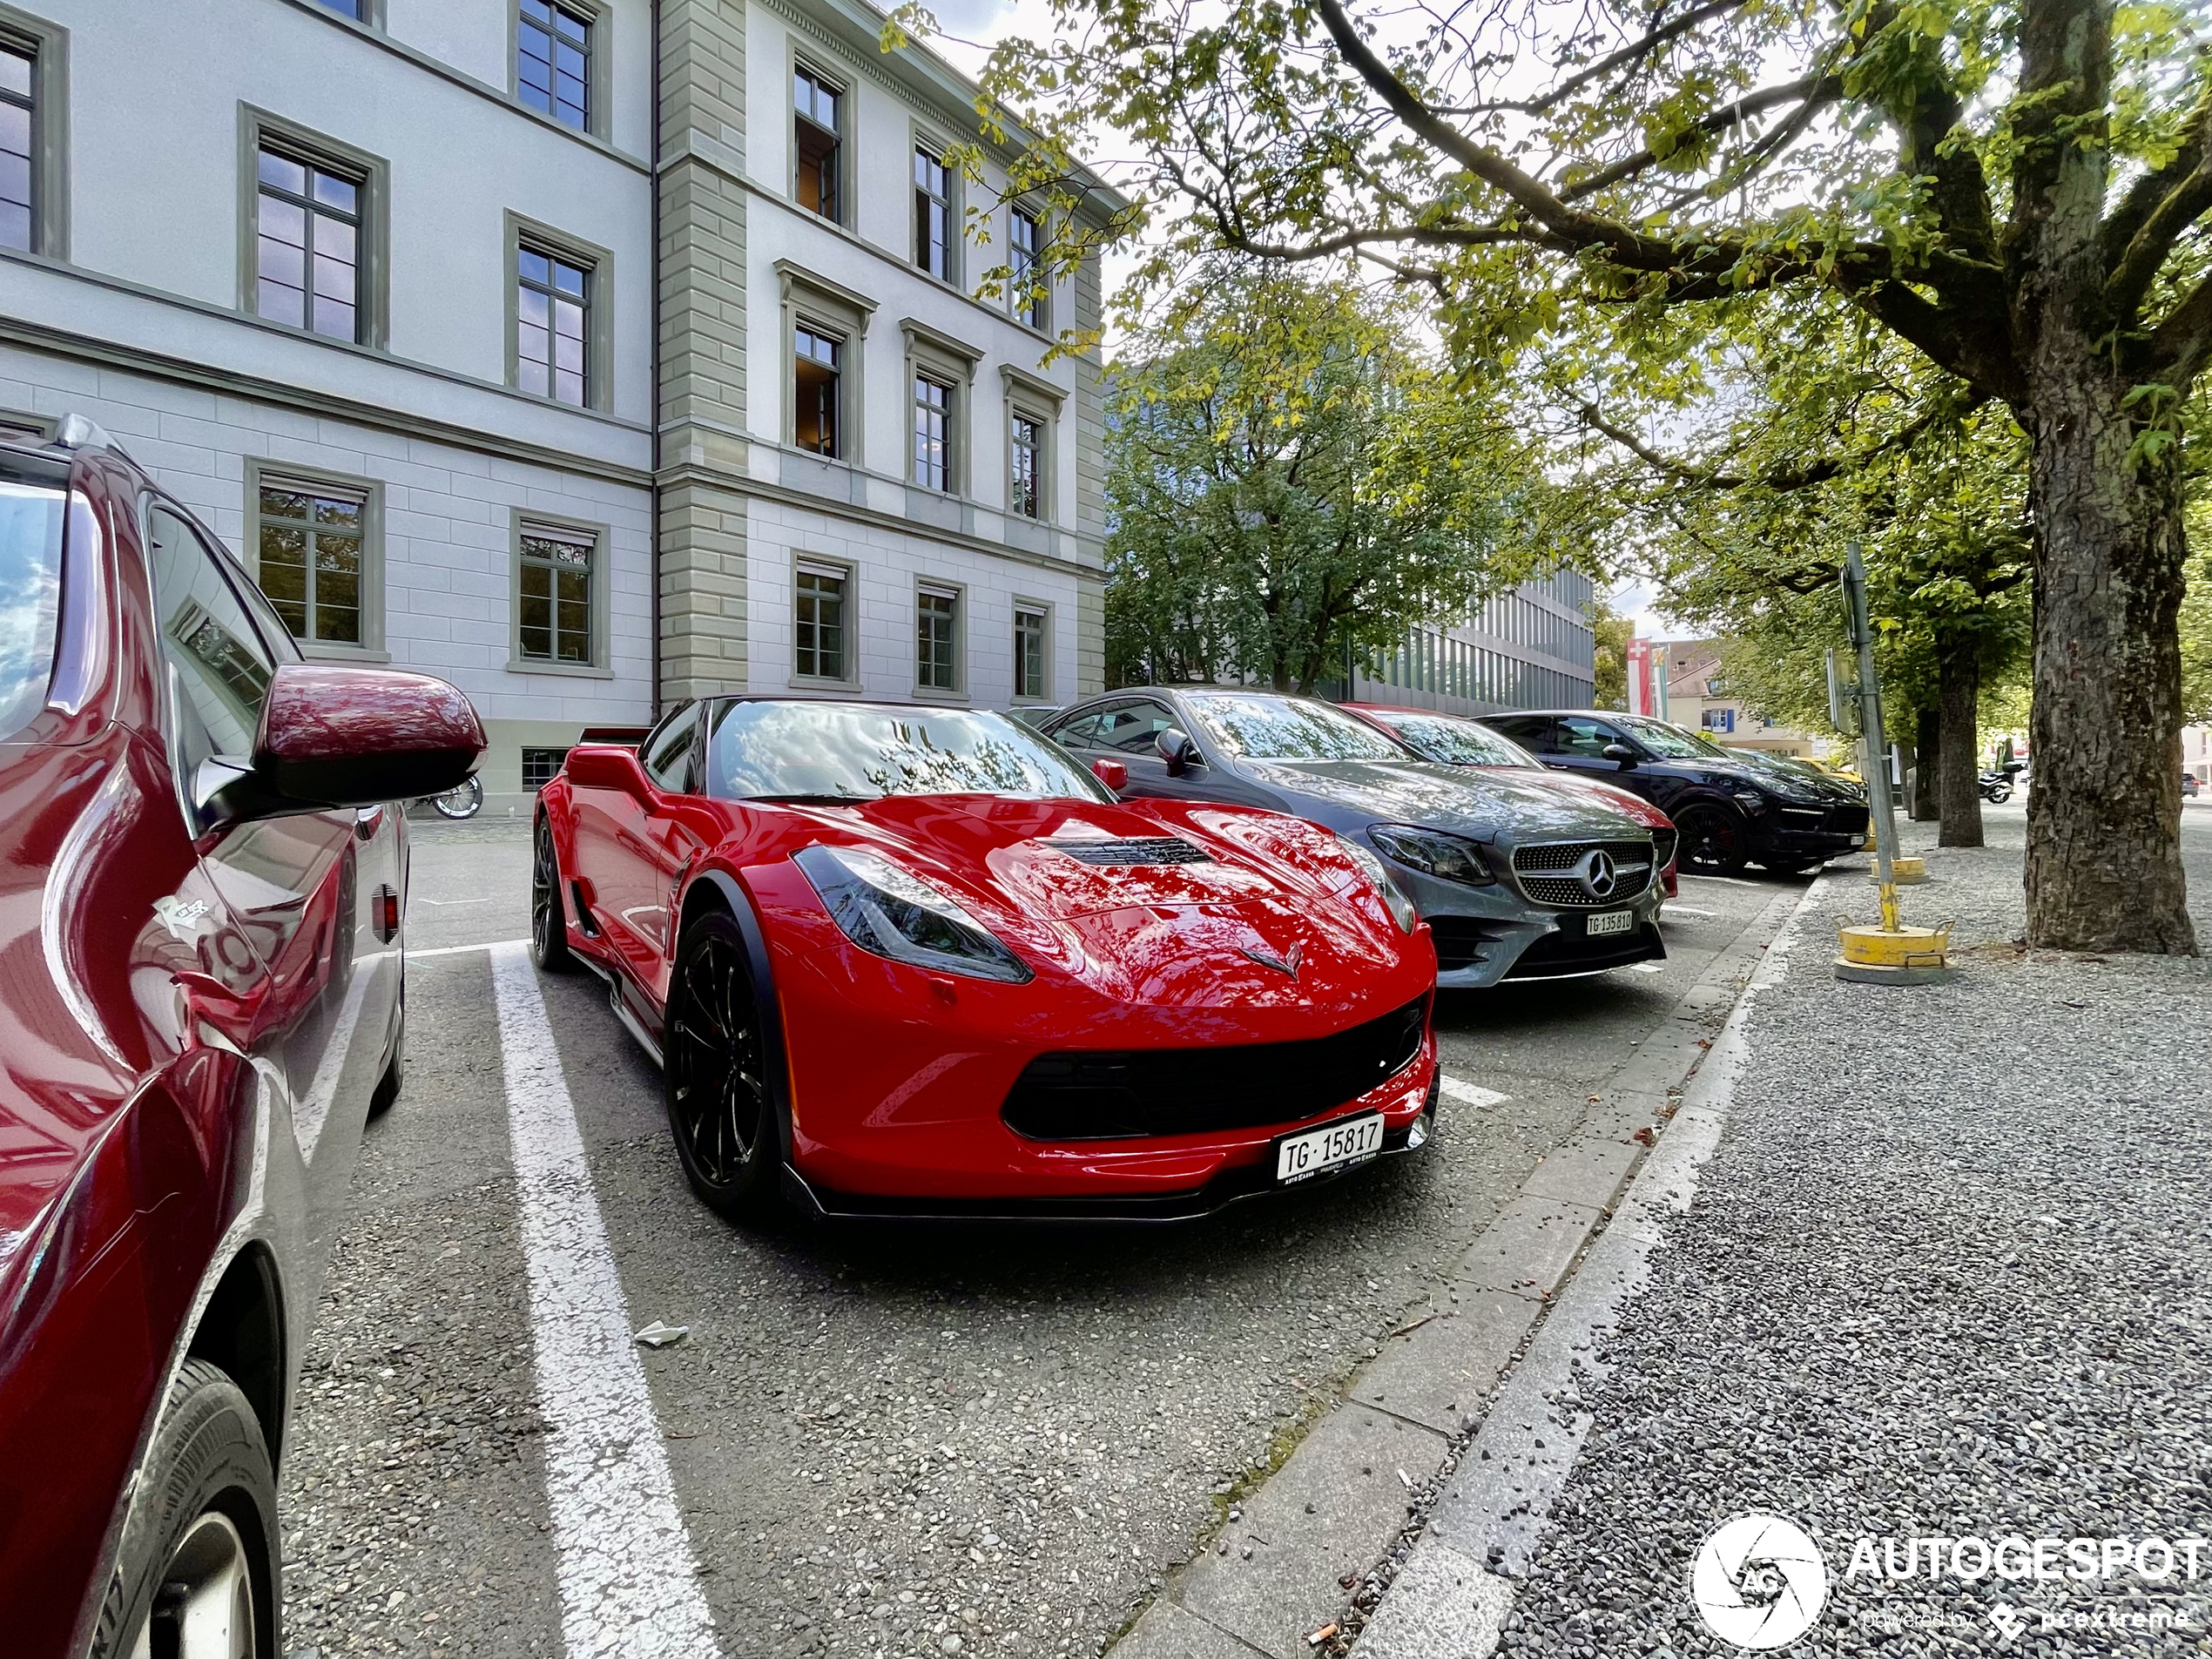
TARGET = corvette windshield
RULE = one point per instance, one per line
(31, 587)
(1459, 743)
(1283, 728)
(863, 752)
(1669, 743)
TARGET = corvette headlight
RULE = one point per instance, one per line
(1448, 857)
(1400, 907)
(890, 912)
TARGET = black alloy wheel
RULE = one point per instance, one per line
(549, 925)
(1713, 841)
(720, 1106)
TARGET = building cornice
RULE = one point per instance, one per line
(107, 354)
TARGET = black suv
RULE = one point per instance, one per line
(1731, 811)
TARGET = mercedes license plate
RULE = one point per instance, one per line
(1354, 1141)
(1613, 921)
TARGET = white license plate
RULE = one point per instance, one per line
(1354, 1141)
(1613, 921)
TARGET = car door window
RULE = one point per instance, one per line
(219, 667)
(1586, 738)
(671, 754)
(1529, 730)
(1133, 728)
(1080, 734)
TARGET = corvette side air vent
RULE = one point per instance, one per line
(1159, 849)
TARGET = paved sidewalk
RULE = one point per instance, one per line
(1947, 1272)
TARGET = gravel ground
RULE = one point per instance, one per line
(1948, 1273)
(892, 1442)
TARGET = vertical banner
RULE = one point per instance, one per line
(1639, 676)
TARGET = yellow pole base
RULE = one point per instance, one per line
(1898, 956)
(1905, 872)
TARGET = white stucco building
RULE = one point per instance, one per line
(286, 257)
(402, 297)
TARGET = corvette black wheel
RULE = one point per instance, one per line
(719, 1104)
(1712, 839)
(548, 924)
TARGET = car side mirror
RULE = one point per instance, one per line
(1177, 749)
(1620, 753)
(608, 766)
(1112, 773)
(331, 738)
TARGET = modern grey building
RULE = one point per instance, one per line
(403, 298)
(1530, 648)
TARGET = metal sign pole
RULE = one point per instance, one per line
(1874, 741)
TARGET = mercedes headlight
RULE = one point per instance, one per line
(890, 912)
(1448, 857)
(1400, 907)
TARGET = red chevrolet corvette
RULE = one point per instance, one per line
(902, 960)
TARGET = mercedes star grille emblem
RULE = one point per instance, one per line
(1597, 873)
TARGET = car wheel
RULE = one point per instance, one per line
(196, 1572)
(1712, 839)
(548, 917)
(720, 1106)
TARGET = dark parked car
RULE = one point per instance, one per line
(201, 883)
(1729, 812)
(1517, 880)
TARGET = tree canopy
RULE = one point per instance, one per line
(1288, 475)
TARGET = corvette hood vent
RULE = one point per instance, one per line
(1150, 849)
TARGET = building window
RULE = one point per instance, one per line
(556, 583)
(353, 9)
(540, 767)
(552, 325)
(816, 106)
(311, 541)
(933, 214)
(936, 640)
(1026, 279)
(307, 232)
(933, 433)
(18, 120)
(818, 618)
(553, 62)
(1025, 487)
(816, 363)
(1032, 629)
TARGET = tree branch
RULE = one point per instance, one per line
(1634, 50)
(1783, 479)
(2180, 345)
(2148, 192)
(1817, 91)
(2184, 200)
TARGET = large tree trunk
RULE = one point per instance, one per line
(1926, 761)
(1959, 694)
(2104, 860)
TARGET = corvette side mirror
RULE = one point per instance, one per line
(1620, 753)
(1112, 773)
(607, 766)
(1177, 749)
(331, 738)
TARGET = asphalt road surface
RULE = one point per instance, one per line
(890, 1441)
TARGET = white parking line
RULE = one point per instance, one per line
(458, 950)
(1685, 910)
(1725, 880)
(1470, 1095)
(627, 1573)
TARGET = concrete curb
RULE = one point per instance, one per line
(1452, 1596)
(1297, 1547)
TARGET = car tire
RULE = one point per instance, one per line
(722, 1109)
(197, 1554)
(1713, 840)
(387, 1086)
(549, 916)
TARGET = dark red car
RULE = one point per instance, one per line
(1450, 740)
(917, 962)
(201, 990)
